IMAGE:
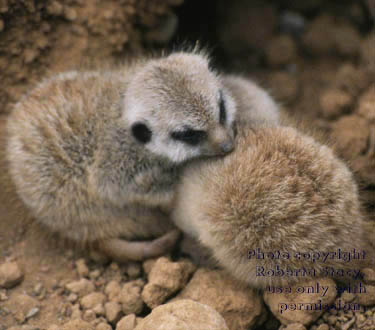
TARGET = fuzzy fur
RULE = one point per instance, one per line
(75, 164)
(280, 190)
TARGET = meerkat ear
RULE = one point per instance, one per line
(141, 132)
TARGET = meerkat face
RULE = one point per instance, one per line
(176, 107)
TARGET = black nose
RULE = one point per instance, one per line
(227, 146)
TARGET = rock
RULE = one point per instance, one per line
(113, 312)
(81, 287)
(130, 297)
(72, 298)
(347, 296)
(363, 167)
(166, 277)
(284, 86)
(92, 299)
(99, 310)
(76, 312)
(367, 298)
(112, 289)
(369, 275)
(89, 316)
(281, 50)
(350, 134)
(77, 325)
(335, 102)
(55, 8)
(319, 36)
(94, 274)
(183, 314)
(366, 104)
(10, 275)
(127, 323)
(351, 80)
(323, 327)
(347, 40)
(70, 14)
(240, 307)
(286, 308)
(82, 269)
(103, 326)
(32, 312)
(327, 35)
(38, 289)
(295, 326)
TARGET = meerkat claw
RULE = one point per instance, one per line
(122, 250)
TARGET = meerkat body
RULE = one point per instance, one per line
(279, 190)
(95, 156)
(254, 105)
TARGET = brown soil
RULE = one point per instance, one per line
(324, 73)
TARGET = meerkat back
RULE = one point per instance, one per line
(254, 105)
(95, 156)
(278, 191)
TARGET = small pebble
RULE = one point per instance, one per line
(127, 323)
(89, 315)
(32, 312)
(82, 268)
(103, 326)
(10, 275)
(94, 274)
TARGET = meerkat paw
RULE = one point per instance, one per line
(122, 250)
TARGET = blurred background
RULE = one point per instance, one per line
(316, 57)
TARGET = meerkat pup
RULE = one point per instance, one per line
(95, 156)
(267, 207)
(254, 105)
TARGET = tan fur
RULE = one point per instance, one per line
(254, 104)
(279, 190)
(79, 171)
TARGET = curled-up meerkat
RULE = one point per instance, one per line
(96, 156)
(276, 210)
(254, 105)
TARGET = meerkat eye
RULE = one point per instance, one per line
(223, 112)
(141, 132)
(189, 136)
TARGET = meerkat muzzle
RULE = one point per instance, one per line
(221, 141)
(227, 146)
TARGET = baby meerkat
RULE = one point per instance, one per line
(279, 191)
(96, 156)
(254, 105)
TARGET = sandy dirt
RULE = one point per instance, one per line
(317, 60)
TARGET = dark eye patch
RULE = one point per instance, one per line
(141, 132)
(223, 111)
(189, 136)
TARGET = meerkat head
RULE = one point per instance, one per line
(178, 108)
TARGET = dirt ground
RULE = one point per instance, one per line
(317, 59)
